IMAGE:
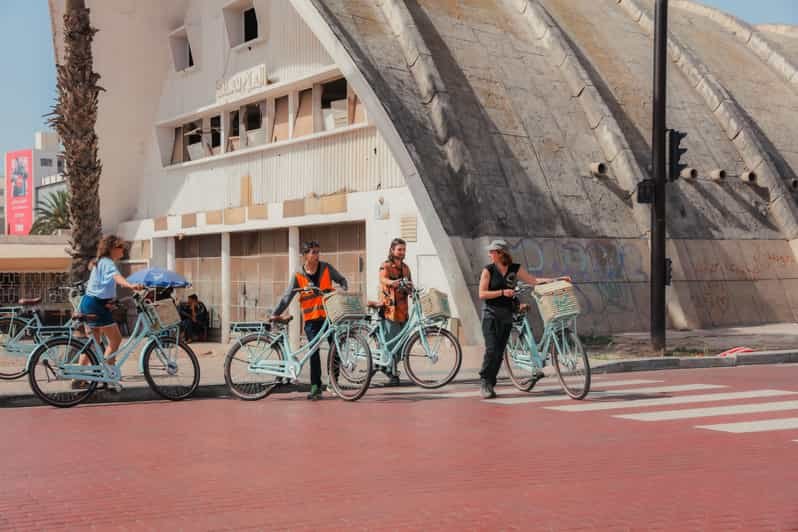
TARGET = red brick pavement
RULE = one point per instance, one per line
(394, 462)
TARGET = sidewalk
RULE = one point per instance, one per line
(772, 344)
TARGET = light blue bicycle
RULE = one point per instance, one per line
(431, 353)
(258, 363)
(559, 344)
(21, 330)
(170, 366)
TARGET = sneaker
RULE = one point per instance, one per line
(393, 380)
(315, 393)
(486, 390)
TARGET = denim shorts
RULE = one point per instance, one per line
(97, 307)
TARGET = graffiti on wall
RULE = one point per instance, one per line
(604, 271)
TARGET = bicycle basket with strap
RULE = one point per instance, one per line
(342, 306)
(434, 304)
(162, 314)
(557, 300)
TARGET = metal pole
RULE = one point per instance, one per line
(658, 164)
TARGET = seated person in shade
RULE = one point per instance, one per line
(195, 317)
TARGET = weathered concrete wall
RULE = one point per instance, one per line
(503, 106)
(748, 78)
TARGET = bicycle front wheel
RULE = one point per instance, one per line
(515, 359)
(350, 368)
(13, 358)
(171, 368)
(432, 357)
(571, 363)
(241, 380)
(46, 372)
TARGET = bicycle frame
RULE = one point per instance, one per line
(294, 361)
(388, 350)
(104, 372)
(534, 354)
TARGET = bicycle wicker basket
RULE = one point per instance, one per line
(434, 304)
(341, 306)
(557, 300)
(162, 314)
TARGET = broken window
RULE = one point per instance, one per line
(253, 117)
(304, 114)
(216, 134)
(182, 56)
(241, 21)
(233, 137)
(177, 146)
(250, 25)
(333, 104)
(192, 135)
(280, 131)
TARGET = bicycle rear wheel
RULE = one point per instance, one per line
(571, 363)
(520, 375)
(241, 381)
(171, 368)
(13, 361)
(46, 378)
(435, 362)
(350, 369)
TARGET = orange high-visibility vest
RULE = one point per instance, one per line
(312, 304)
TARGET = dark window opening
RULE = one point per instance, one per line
(253, 117)
(193, 132)
(216, 131)
(234, 123)
(250, 24)
(46, 162)
(332, 91)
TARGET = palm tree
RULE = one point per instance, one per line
(74, 116)
(52, 215)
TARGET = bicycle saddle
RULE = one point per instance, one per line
(281, 319)
(30, 301)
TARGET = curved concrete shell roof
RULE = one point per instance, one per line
(504, 105)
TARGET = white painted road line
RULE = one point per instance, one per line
(614, 393)
(666, 401)
(766, 425)
(500, 389)
(689, 413)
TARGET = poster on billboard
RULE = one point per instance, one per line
(19, 192)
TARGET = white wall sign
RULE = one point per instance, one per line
(241, 84)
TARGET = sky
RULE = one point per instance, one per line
(26, 59)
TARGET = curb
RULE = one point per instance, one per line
(218, 391)
(786, 356)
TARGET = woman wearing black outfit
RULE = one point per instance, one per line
(496, 290)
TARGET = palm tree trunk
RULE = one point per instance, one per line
(74, 116)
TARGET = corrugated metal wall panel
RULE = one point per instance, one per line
(356, 160)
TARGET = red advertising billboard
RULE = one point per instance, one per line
(19, 192)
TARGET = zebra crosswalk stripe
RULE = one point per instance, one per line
(755, 426)
(689, 413)
(615, 393)
(666, 401)
(475, 393)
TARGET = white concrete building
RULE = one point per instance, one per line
(228, 135)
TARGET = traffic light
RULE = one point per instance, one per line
(676, 166)
(645, 191)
